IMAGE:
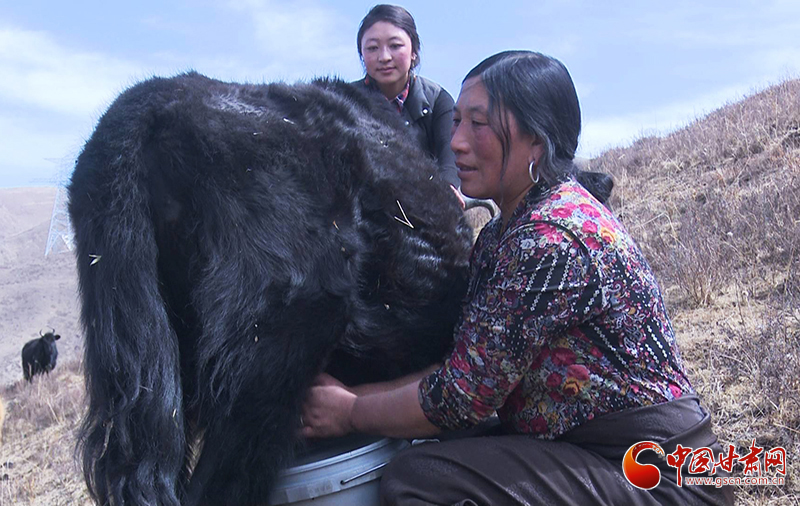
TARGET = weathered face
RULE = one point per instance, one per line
(479, 151)
(388, 56)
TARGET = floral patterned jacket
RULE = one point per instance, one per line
(563, 322)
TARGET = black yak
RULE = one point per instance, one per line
(232, 242)
(39, 355)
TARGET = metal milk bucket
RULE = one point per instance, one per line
(337, 472)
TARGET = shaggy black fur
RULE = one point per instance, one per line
(39, 355)
(232, 241)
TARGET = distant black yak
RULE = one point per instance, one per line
(232, 242)
(39, 355)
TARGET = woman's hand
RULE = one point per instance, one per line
(388, 409)
(324, 379)
(459, 197)
(328, 409)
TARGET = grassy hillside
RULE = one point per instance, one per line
(37, 457)
(716, 208)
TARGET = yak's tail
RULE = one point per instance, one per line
(132, 439)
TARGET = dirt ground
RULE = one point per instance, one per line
(37, 292)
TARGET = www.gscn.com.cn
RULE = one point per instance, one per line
(756, 464)
(720, 481)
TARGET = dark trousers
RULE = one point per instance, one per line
(583, 467)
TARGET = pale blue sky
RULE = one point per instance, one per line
(640, 67)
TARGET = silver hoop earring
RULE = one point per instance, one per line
(530, 172)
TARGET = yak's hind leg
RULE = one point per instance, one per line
(272, 307)
(250, 438)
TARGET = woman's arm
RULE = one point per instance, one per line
(374, 388)
(395, 413)
(389, 409)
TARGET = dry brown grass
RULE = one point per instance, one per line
(37, 456)
(716, 209)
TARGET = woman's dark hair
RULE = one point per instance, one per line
(397, 16)
(538, 91)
